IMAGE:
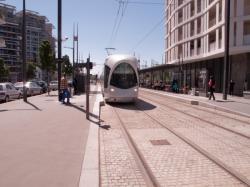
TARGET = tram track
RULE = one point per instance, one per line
(205, 153)
(196, 117)
(149, 178)
(237, 175)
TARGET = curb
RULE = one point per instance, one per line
(200, 103)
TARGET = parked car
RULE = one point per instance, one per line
(32, 88)
(42, 84)
(53, 85)
(9, 92)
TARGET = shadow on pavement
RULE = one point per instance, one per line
(106, 127)
(144, 105)
(83, 110)
(35, 107)
(3, 110)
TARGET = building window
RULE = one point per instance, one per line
(246, 33)
(235, 33)
(192, 9)
(212, 17)
(212, 39)
(192, 28)
(198, 46)
(246, 7)
(180, 16)
(192, 48)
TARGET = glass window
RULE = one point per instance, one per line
(1, 88)
(106, 76)
(124, 76)
(247, 28)
(8, 87)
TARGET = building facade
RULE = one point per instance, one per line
(38, 29)
(195, 37)
(10, 35)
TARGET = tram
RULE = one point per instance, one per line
(120, 78)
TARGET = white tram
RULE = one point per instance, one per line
(120, 78)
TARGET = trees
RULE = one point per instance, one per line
(67, 67)
(31, 70)
(47, 59)
(4, 71)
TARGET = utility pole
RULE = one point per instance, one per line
(24, 51)
(73, 73)
(59, 37)
(77, 45)
(87, 86)
(226, 58)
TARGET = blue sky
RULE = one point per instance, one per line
(96, 20)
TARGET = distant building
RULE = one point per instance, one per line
(38, 29)
(10, 34)
(195, 36)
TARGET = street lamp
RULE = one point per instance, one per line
(24, 51)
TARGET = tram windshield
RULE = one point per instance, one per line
(124, 76)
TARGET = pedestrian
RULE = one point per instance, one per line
(231, 87)
(75, 85)
(245, 85)
(64, 89)
(211, 87)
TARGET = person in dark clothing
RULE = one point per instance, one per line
(75, 86)
(211, 87)
(231, 87)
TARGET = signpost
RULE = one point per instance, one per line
(88, 65)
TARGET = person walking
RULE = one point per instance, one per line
(231, 87)
(211, 87)
(75, 86)
(64, 89)
(245, 85)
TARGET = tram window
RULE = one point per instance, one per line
(106, 76)
(124, 76)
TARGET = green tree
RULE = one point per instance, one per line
(67, 67)
(47, 59)
(31, 70)
(4, 71)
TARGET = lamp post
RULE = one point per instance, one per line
(24, 51)
(59, 45)
(226, 58)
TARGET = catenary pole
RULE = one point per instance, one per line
(24, 51)
(226, 58)
(59, 37)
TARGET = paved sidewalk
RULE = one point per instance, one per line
(234, 104)
(42, 142)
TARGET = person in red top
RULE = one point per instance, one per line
(211, 87)
(64, 88)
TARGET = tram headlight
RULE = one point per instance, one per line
(112, 89)
(135, 89)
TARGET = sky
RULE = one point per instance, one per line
(140, 32)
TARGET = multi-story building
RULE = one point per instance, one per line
(38, 29)
(10, 34)
(195, 36)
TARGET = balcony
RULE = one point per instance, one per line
(246, 39)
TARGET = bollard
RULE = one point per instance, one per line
(101, 103)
